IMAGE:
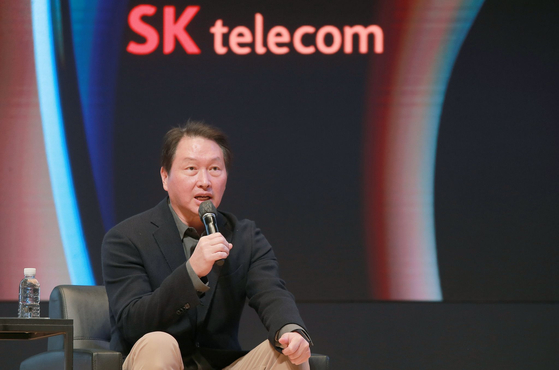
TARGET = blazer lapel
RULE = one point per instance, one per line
(167, 236)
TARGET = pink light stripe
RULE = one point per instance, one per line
(29, 233)
(404, 250)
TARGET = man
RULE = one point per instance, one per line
(172, 306)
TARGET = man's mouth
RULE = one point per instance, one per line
(203, 198)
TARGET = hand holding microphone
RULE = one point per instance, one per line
(212, 248)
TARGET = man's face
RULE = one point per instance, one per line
(197, 174)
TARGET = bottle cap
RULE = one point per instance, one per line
(29, 271)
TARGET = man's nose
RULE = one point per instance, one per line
(204, 179)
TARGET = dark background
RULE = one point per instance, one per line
(497, 175)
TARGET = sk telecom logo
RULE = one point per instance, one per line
(243, 40)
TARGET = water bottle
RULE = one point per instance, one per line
(29, 295)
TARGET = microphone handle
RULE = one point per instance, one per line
(211, 228)
(210, 223)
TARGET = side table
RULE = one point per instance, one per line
(13, 328)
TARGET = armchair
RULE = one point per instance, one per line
(88, 306)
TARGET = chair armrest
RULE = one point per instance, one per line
(84, 359)
(319, 362)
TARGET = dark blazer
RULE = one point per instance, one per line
(149, 287)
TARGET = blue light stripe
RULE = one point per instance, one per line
(65, 202)
(462, 24)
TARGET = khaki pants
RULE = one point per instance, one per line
(160, 351)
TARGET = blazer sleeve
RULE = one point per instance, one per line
(145, 294)
(266, 291)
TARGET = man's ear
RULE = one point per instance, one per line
(164, 176)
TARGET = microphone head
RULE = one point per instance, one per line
(206, 207)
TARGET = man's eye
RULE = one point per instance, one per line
(215, 171)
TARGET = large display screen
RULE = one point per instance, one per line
(389, 150)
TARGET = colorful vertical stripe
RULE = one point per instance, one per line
(58, 161)
(406, 95)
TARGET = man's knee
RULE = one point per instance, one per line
(155, 350)
(159, 339)
(265, 356)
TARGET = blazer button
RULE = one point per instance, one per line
(179, 312)
(187, 306)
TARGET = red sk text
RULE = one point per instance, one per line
(242, 40)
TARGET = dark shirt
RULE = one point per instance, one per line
(190, 237)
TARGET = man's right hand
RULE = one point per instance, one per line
(210, 248)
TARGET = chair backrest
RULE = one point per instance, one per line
(88, 306)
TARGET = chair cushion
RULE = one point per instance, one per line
(84, 359)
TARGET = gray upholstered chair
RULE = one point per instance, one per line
(88, 306)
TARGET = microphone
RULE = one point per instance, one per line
(207, 213)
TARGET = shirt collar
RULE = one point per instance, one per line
(184, 229)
